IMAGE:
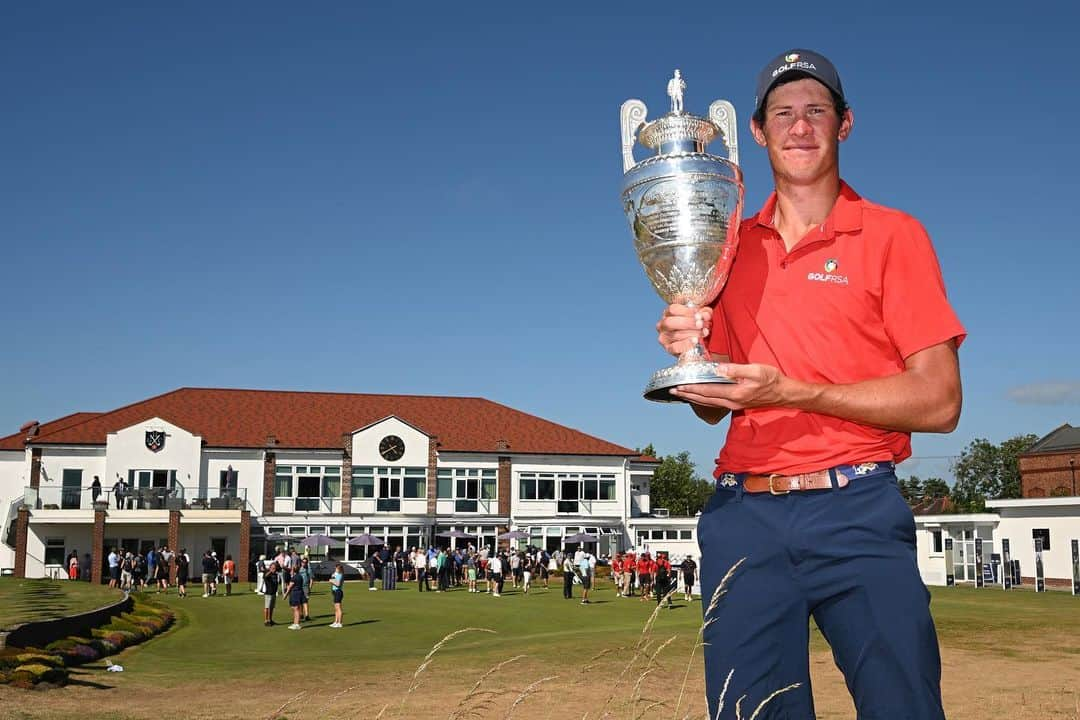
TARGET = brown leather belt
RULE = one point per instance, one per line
(783, 484)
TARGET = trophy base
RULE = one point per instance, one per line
(689, 374)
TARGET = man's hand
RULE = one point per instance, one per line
(681, 326)
(755, 386)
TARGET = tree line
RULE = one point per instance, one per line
(983, 471)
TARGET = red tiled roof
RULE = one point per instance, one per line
(313, 420)
(18, 440)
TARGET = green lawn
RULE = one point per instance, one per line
(220, 642)
(27, 600)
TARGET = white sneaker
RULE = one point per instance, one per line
(205, 595)
(294, 626)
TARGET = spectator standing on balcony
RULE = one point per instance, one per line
(118, 492)
(73, 565)
(95, 489)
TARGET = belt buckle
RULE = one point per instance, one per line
(772, 488)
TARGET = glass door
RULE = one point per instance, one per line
(71, 495)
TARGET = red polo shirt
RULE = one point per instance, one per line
(855, 297)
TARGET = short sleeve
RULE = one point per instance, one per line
(718, 343)
(915, 309)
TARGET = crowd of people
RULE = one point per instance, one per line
(290, 575)
(130, 571)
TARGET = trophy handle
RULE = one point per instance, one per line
(722, 115)
(631, 117)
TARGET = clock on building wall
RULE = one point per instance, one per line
(392, 447)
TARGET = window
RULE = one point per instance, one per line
(686, 534)
(54, 551)
(936, 537)
(363, 482)
(415, 482)
(572, 487)
(331, 482)
(311, 484)
(536, 486)
(283, 481)
(467, 486)
(657, 534)
(1044, 534)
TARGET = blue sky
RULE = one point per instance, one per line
(425, 200)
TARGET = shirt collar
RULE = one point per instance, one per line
(845, 216)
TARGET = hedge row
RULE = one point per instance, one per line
(26, 667)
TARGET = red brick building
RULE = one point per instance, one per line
(1049, 467)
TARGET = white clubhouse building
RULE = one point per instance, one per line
(238, 470)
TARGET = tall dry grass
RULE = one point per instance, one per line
(630, 697)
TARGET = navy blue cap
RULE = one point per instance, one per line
(806, 63)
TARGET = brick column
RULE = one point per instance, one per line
(269, 470)
(432, 477)
(35, 467)
(22, 529)
(243, 558)
(97, 553)
(174, 541)
(504, 485)
(346, 473)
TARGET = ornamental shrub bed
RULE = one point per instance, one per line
(26, 667)
(29, 675)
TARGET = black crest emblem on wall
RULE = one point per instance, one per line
(155, 440)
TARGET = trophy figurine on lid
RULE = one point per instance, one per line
(684, 207)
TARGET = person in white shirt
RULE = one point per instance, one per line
(496, 574)
(419, 563)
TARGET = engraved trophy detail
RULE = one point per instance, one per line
(684, 207)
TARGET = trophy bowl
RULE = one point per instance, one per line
(684, 207)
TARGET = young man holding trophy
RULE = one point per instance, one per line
(835, 342)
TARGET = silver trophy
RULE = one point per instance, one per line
(684, 206)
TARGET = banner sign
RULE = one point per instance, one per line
(1076, 566)
(950, 578)
(1040, 581)
(995, 564)
(1006, 570)
(980, 576)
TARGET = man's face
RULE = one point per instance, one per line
(802, 131)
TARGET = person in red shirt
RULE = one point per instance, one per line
(837, 335)
(616, 573)
(629, 570)
(644, 573)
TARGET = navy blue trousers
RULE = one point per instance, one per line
(845, 556)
